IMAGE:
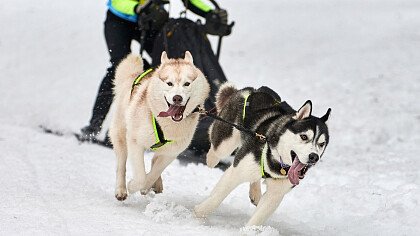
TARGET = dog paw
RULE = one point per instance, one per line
(121, 194)
(134, 186)
(200, 212)
(144, 191)
(255, 199)
(255, 193)
(212, 160)
(158, 186)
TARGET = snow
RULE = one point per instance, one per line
(359, 57)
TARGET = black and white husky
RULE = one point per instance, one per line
(295, 141)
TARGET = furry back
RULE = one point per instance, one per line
(225, 92)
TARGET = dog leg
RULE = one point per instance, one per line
(121, 153)
(276, 189)
(229, 181)
(255, 192)
(136, 157)
(158, 185)
(160, 163)
(225, 149)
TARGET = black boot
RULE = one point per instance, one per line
(107, 140)
(89, 132)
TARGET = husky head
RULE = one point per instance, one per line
(303, 140)
(179, 89)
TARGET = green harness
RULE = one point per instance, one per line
(246, 104)
(283, 171)
(264, 151)
(139, 78)
(159, 136)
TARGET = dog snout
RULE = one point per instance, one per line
(177, 99)
(313, 158)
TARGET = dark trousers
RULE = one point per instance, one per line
(118, 36)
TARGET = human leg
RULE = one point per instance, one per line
(118, 35)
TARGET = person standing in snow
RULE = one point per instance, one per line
(139, 20)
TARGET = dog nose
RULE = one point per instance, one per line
(313, 158)
(177, 99)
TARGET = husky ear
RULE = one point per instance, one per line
(305, 111)
(188, 57)
(164, 57)
(325, 117)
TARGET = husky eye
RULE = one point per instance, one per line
(321, 144)
(187, 84)
(170, 84)
(304, 137)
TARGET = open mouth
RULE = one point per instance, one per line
(298, 170)
(176, 112)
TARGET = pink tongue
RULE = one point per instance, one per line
(293, 173)
(175, 111)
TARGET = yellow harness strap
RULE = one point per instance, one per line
(245, 105)
(139, 78)
(263, 156)
(265, 148)
(283, 171)
(159, 137)
(155, 129)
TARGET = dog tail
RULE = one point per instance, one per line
(126, 72)
(224, 94)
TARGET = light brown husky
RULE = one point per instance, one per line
(153, 113)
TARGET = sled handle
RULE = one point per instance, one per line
(215, 4)
(219, 47)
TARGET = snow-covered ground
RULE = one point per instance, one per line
(359, 57)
